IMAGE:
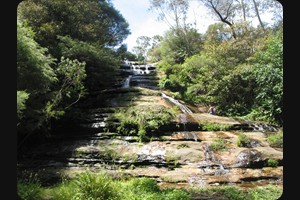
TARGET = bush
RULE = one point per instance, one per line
(272, 163)
(95, 186)
(218, 144)
(29, 190)
(215, 127)
(143, 121)
(144, 185)
(276, 140)
(243, 140)
(266, 193)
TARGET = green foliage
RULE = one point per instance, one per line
(90, 21)
(179, 44)
(71, 74)
(233, 193)
(276, 139)
(100, 67)
(35, 76)
(243, 140)
(215, 127)
(94, 186)
(29, 190)
(52, 87)
(272, 162)
(34, 72)
(269, 77)
(65, 190)
(184, 145)
(143, 121)
(143, 185)
(89, 185)
(172, 159)
(218, 144)
(269, 192)
(242, 76)
(29, 186)
(22, 96)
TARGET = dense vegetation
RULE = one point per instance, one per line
(89, 185)
(65, 50)
(242, 76)
(234, 65)
(69, 49)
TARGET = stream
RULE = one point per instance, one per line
(177, 158)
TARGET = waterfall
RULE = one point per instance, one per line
(209, 156)
(126, 83)
(264, 127)
(183, 108)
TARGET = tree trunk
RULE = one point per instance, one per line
(243, 9)
(257, 14)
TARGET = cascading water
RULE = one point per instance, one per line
(209, 156)
(264, 127)
(183, 118)
(126, 83)
(182, 107)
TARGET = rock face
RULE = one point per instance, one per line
(249, 158)
(184, 155)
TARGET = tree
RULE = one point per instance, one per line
(34, 80)
(143, 46)
(255, 4)
(101, 63)
(95, 21)
(225, 10)
(171, 11)
(124, 54)
(174, 13)
(269, 77)
(45, 90)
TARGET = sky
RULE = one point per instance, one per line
(143, 22)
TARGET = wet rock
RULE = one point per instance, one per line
(152, 153)
(250, 158)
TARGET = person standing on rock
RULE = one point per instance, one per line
(212, 110)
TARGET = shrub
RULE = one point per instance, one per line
(215, 127)
(218, 144)
(269, 192)
(96, 186)
(243, 140)
(276, 140)
(272, 163)
(29, 190)
(143, 121)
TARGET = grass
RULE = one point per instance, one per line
(183, 145)
(272, 162)
(143, 121)
(218, 144)
(215, 127)
(243, 140)
(172, 159)
(276, 139)
(96, 186)
(268, 192)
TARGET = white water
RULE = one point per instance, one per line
(209, 156)
(126, 83)
(183, 108)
